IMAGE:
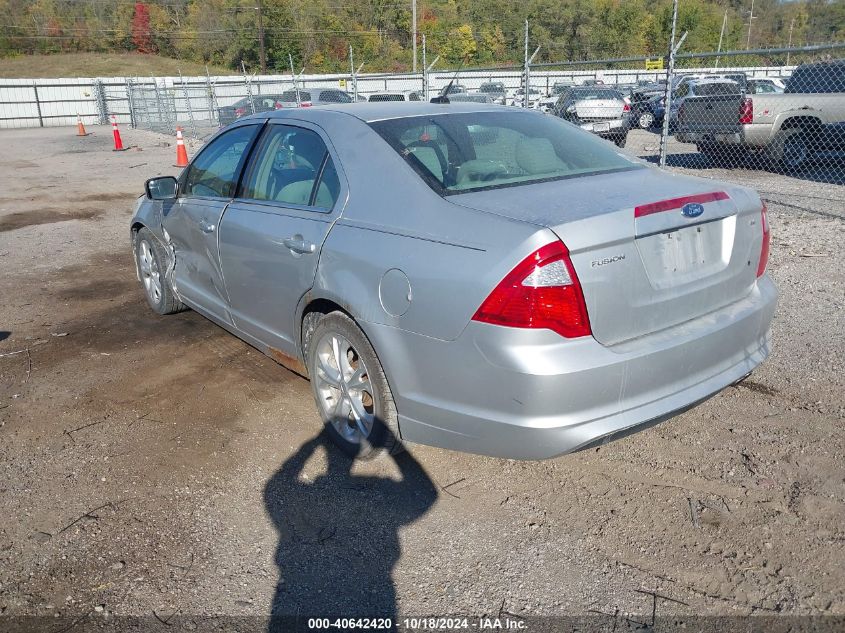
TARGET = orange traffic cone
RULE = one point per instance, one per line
(118, 143)
(181, 152)
(80, 127)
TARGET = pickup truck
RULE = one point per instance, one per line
(808, 117)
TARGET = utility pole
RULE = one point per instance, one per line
(750, 17)
(414, 30)
(525, 96)
(722, 35)
(424, 74)
(791, 26)
(262, 57)
(667, 97)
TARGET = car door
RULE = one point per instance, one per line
(205, 188)
(271, 235)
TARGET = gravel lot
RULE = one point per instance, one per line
(160, 467)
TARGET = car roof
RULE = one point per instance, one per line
(379, 111)
(713, 80)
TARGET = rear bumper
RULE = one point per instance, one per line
(753, 135)
(614, 127)
(530, 394)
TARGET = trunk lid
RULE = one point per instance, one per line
(599, 109)
(653, 250)
(717, 113)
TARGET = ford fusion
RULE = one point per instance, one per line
(466, 276)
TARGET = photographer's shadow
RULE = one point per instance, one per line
(338, 536)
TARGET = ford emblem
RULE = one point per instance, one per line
(692, 210)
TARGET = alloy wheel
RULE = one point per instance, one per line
(794, 152)
(345, 393)
(150, 274)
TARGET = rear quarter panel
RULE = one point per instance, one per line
(451, 256)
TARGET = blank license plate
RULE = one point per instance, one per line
(601, 127)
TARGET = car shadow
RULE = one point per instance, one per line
(339, 536)
(4, 335)
(820, 168)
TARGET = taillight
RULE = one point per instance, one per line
(542, 292)
(767, 235)
(746, 111)
(626, 107)
(305, 104)
(240, 112)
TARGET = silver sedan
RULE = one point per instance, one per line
(467, 276)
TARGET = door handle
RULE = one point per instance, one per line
(298, 245)
(206, 226)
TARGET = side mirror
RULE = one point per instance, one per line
(161, 188)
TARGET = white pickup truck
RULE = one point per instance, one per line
(808, 117)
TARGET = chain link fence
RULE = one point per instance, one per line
(780, 109)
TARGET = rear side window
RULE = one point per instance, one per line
(214, 172)
(461, 152)
(335, 96)
(817, 78)
(292, 166)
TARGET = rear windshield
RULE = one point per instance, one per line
(472, 151)
(491, 88)
(396, 97)
(709, 90)
(594, 95)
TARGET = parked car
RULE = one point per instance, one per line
(399, 95)
(242, 107)
(314, 96)
(471, 97)
(547, 103)
(705, 91)
(648, 113)
(512, 287)
(534, 97)
(777, 82)
(599, 110)
(762, 87)
(495, 90)
(457, 88)
(788, 127)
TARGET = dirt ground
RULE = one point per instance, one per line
(157, 466)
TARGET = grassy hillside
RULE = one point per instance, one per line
(99, 65)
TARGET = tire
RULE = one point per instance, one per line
(151, 259)
(620, 140)
(356, 404)
(645, 120)
(790, 150)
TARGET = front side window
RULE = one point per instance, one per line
(292, 166)
(289, 96)
(460, 152)
(214, 172)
